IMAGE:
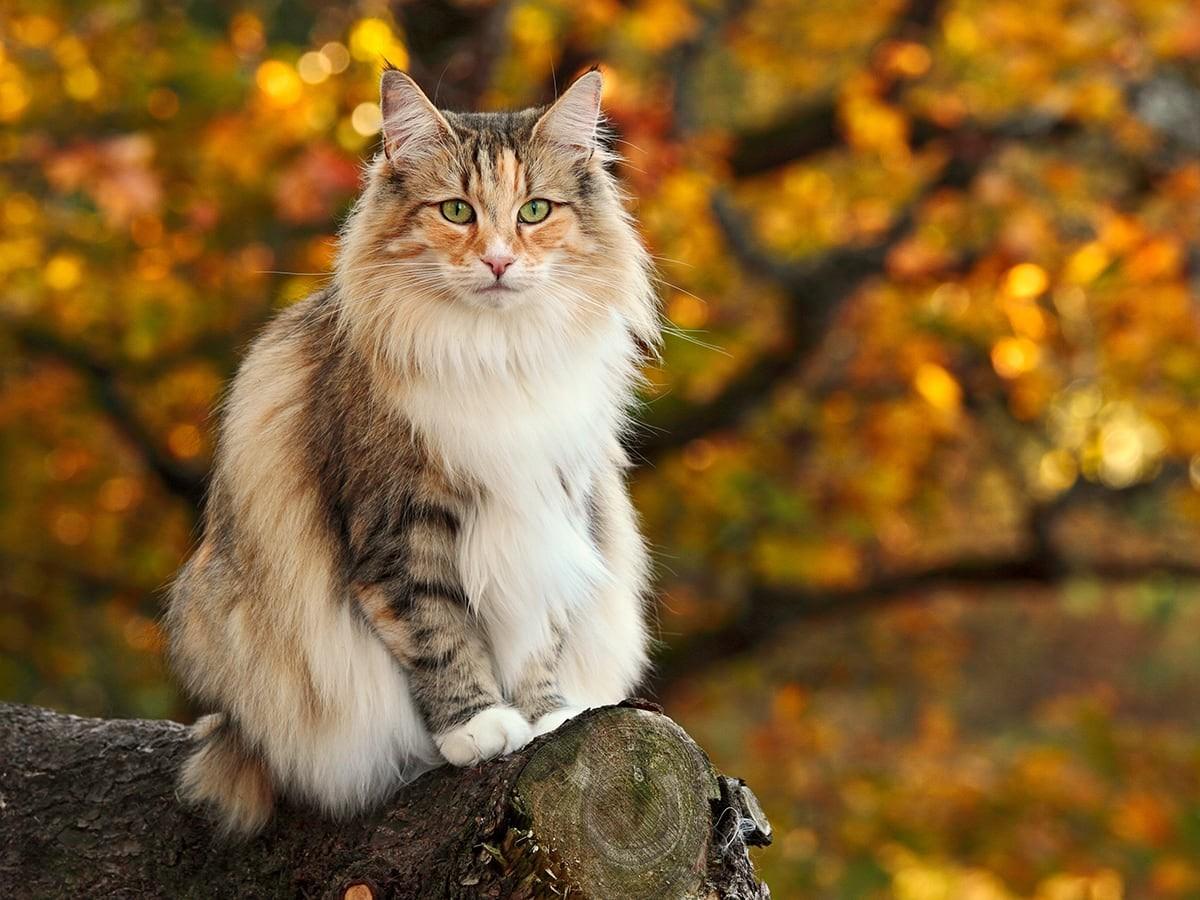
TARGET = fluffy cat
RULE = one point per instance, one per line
(418, 545)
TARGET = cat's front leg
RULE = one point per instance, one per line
(452, 680)
(408, 587)
(491, 732)
(550, 721)
(538, 693)
(437, 641)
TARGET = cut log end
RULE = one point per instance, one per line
(624, 798)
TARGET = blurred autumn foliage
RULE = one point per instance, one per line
(922, 457)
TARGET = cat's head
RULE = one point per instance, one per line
(491, 240)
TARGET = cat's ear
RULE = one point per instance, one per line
(413, 129)
(574, 120)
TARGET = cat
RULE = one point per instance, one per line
(418, 546)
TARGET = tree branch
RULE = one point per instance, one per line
(813, 127)
(815, 289)
(687, 57)
(454, 47)
(619, 802)
(101, 381)
(769, 610)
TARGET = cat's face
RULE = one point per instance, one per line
(496, 220)
(504, 224)
(494, 210)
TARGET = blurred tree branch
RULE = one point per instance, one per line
(768, 610)
(813, 127)
(454, 47)
(101, 381)
(87, 582)
(814, 290)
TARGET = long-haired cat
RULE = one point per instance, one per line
(418, 545)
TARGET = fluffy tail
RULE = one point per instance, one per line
(227, 777)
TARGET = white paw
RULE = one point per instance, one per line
(551, 720)
(496, 730)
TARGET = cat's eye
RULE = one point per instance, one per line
(458, 211)
(534, 211)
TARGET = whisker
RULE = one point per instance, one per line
(281, 272)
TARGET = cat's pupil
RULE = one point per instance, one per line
(534, 211)
(458, 211)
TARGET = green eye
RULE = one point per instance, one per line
(534, 211)
(458, 211)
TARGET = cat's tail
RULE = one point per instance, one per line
(226, 776)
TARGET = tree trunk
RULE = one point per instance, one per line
(618, 803)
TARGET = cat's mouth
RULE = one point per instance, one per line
(496, 296)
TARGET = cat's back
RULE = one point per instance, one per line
(269, 398)
(280, 360)
(255, 459)
(259, 530)
(266, 571)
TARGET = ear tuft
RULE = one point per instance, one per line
(574, 120)
(412, 127)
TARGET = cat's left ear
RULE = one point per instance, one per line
(413, 128)
(574, 120)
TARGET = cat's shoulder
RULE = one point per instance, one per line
(301, 337)
(314, 317)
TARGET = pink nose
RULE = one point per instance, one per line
(498, 264)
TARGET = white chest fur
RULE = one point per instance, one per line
(534, 444)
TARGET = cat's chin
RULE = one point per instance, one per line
(497, 297)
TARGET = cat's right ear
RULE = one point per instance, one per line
(574, 119)
(413, 129)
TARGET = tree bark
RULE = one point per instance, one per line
(618, 803)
